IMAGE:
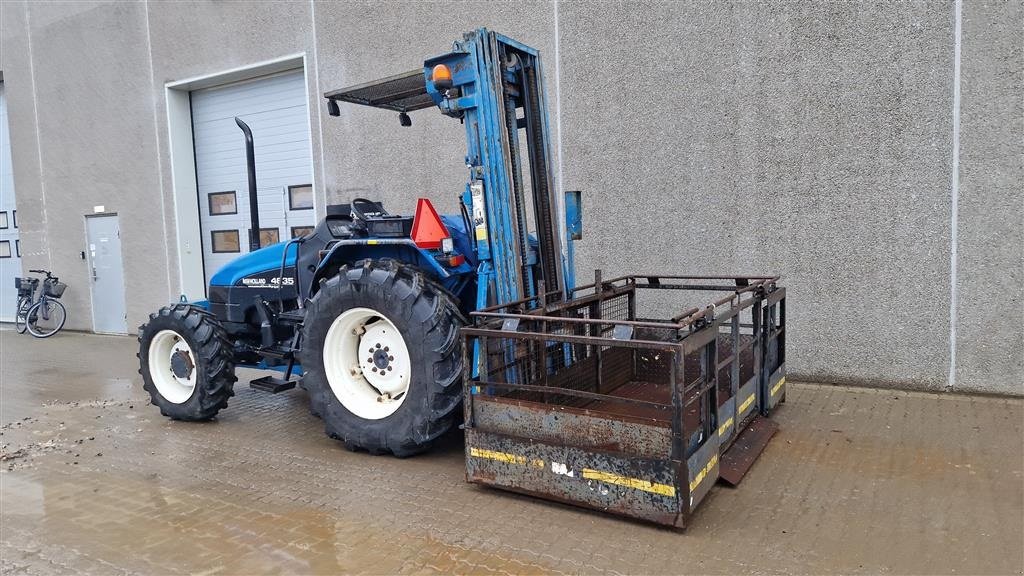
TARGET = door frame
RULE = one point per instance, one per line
(88, 272)
(191, 272)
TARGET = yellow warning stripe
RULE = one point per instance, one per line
(746, 403)
(505, 457)
(703, 472)
(587, 473)
(635, 483)
(775, 389)
(725, 426)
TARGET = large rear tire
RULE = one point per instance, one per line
(186, 362)
(383, 358)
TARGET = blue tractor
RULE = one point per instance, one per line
(367, 309)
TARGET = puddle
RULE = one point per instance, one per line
(144, 524)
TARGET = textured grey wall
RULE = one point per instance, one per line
(806, 140)
(990, 239)
(815, 141)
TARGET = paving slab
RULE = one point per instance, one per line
(94, 480)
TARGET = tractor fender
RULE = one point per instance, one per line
(404, 250)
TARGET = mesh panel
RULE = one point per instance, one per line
(402, 93)
(54, 289)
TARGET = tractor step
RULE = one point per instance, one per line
(292, 316)
(273, 384)
(738, 459)
(277, 353)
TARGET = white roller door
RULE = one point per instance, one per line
(274, 107)
(10, 245)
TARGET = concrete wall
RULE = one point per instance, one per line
(805, 140)
(815, 141)
(990, 215)
(82, 131)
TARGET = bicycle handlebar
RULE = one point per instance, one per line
(47, 272)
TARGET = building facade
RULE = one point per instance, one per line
(871, 154)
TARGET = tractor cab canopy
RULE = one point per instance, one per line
(401, 93)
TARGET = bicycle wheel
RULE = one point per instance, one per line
(22, 314)
(46, 318)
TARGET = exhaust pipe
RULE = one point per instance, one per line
(250, 163)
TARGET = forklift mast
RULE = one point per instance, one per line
(494, 86)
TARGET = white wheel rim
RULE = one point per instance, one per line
(174, 387)
(367, 363)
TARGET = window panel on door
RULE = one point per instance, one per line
(225, 241)
(269, 236)
(300, 197)
(5, 248)
(3, 221)
(223, 203)
(300, 231)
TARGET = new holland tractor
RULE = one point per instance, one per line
(591, 394)
(368, 307)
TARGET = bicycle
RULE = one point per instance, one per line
(45, 316)
(26, 288)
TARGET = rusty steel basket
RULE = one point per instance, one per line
(606, 401)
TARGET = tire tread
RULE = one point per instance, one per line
(214, 353)
(439, 318)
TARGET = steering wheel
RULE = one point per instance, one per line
(371, 205)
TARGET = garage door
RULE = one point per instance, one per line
(274, 107)
(10, 246)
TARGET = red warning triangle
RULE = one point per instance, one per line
(427, 228)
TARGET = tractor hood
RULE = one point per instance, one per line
(254, 263)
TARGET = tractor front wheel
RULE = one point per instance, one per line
(186, 362)
(383, 358)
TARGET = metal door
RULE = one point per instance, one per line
(106, 275)
(275, 107)
(10, 244)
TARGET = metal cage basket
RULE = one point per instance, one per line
(26, 286)
(54, 289)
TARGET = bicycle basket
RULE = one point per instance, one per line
(26, 286)
(54, 289)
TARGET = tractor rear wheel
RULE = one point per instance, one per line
(186, 362)
(383, 358)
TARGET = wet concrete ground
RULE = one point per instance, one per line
(94, 480)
